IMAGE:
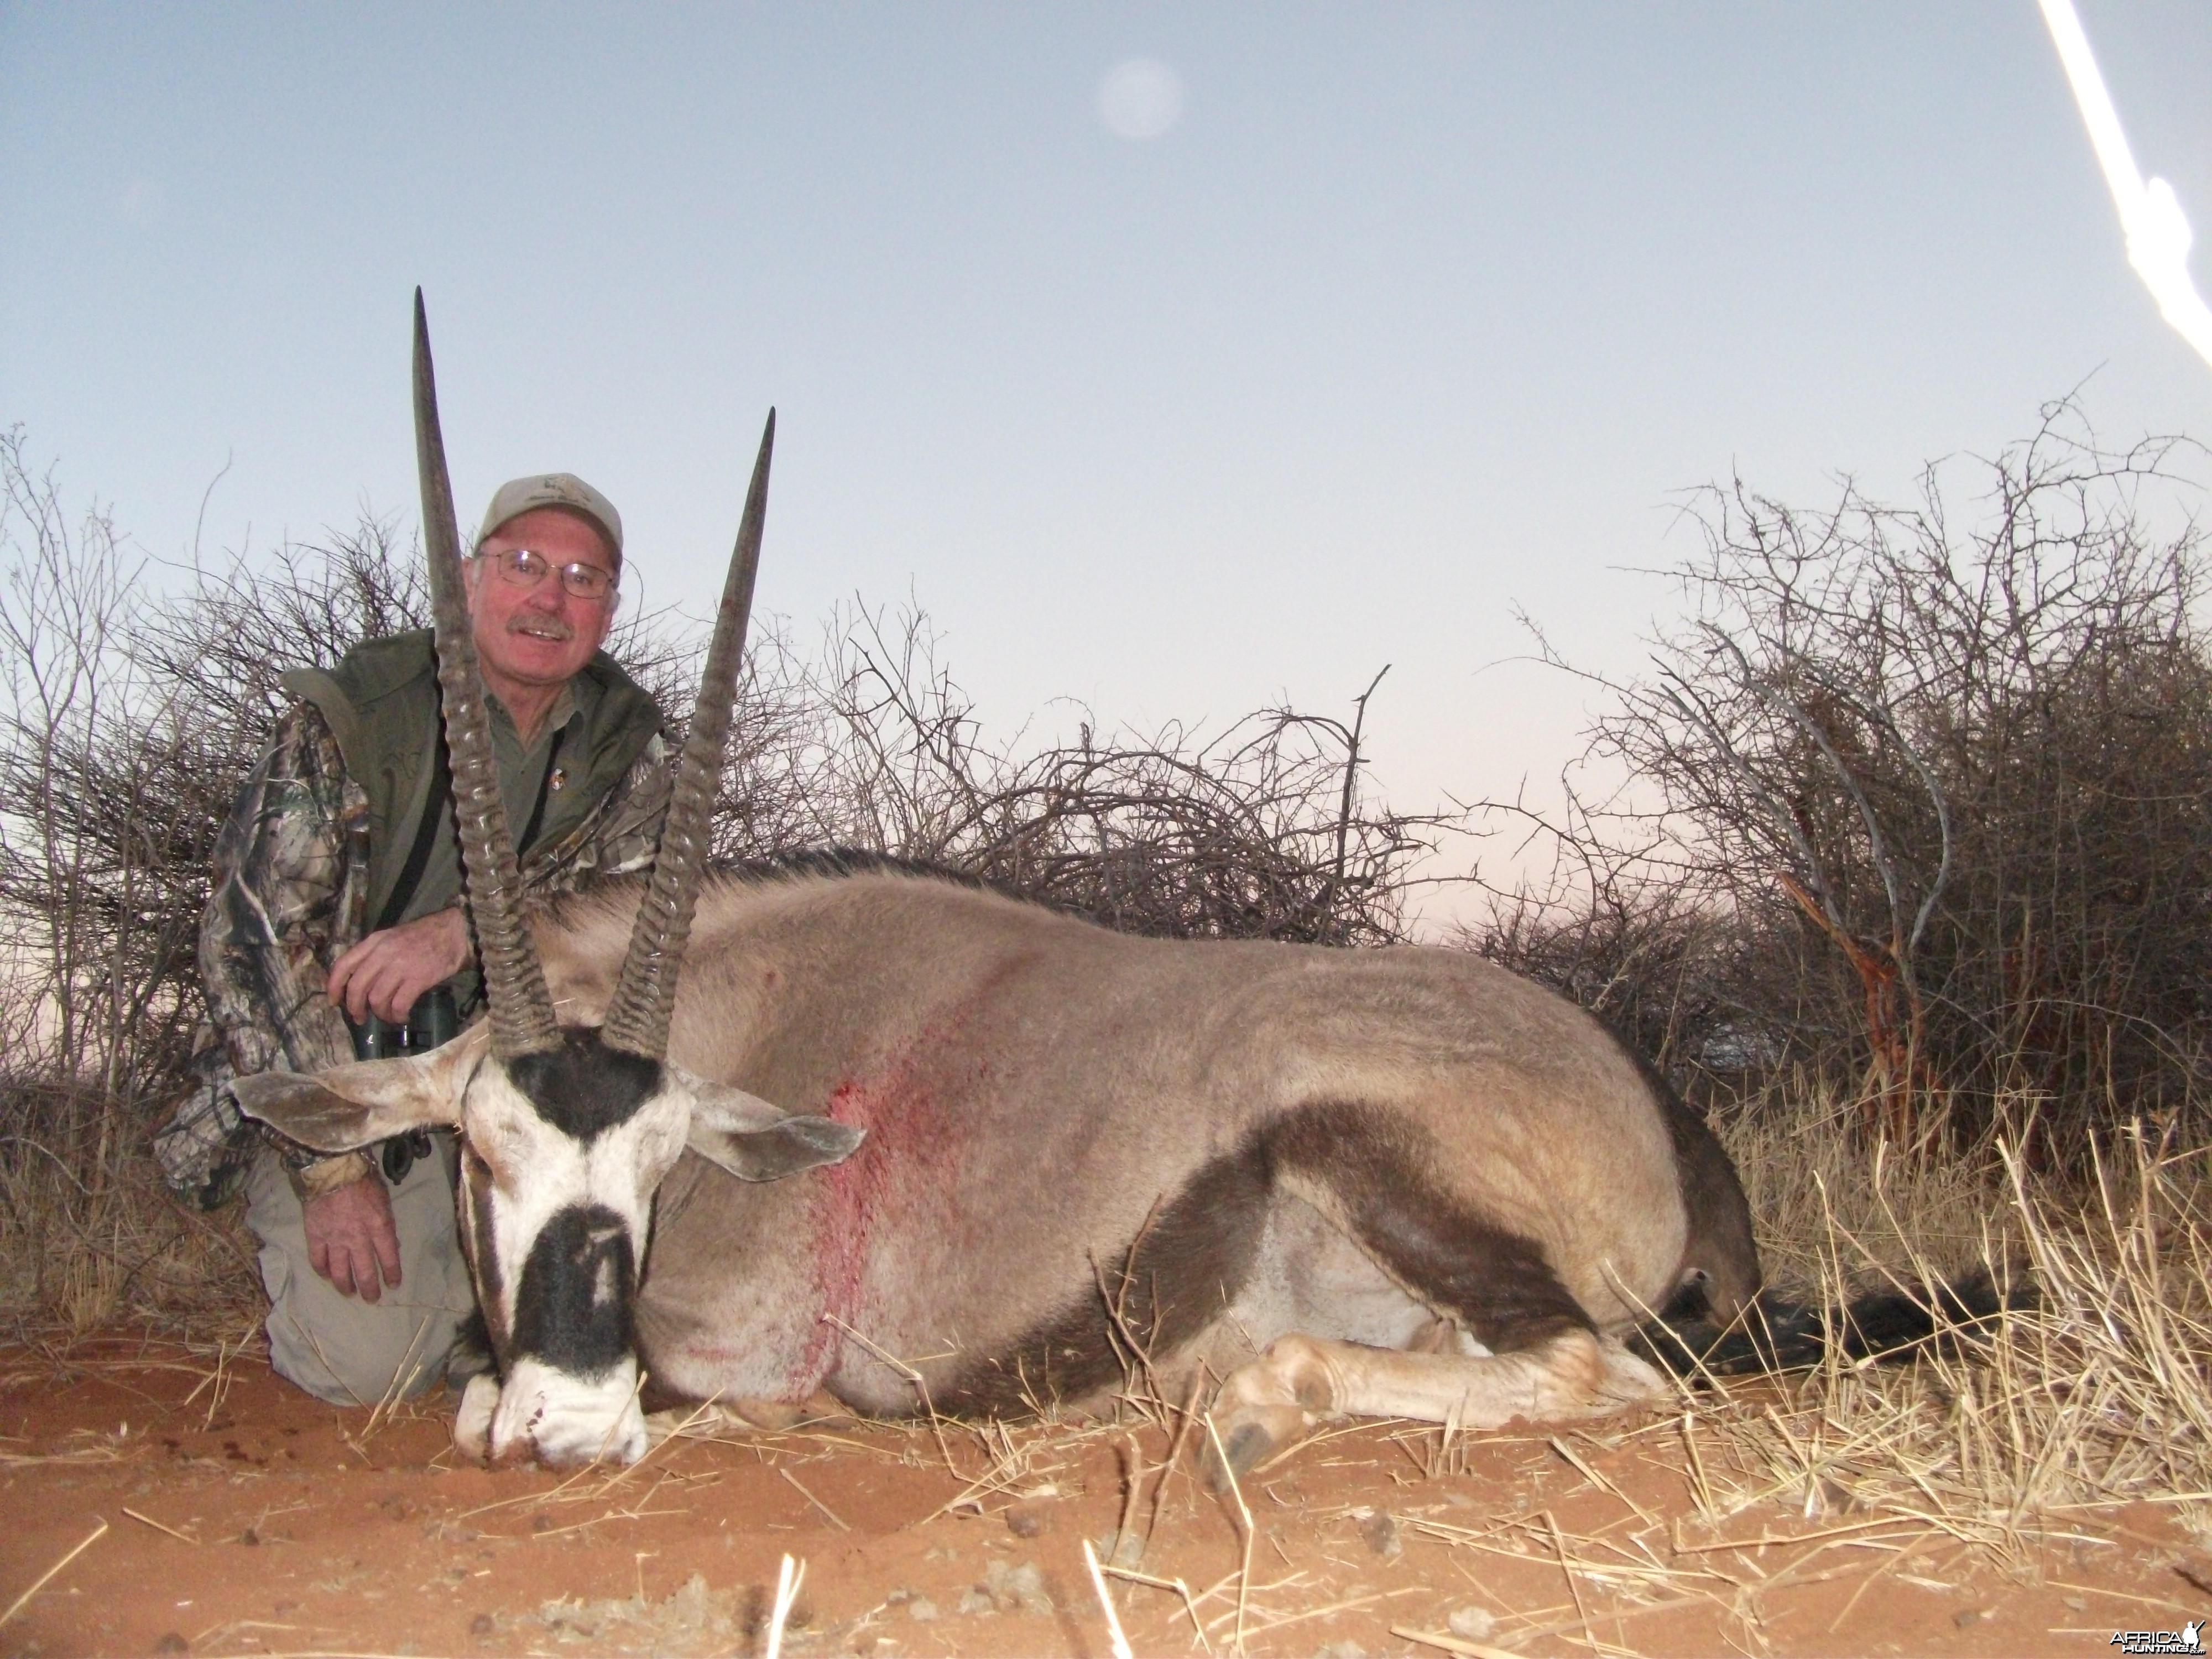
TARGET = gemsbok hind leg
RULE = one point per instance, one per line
(1533, 1354)
(1302, 1381)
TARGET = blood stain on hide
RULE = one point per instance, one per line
(903, 1167)
(898, 1112)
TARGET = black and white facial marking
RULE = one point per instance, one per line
(561, 1152)
(585, 1089)
(573, 1307)
(565, 1150)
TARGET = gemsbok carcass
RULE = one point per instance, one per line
(914, 1143)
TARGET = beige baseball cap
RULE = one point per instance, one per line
(520, 495)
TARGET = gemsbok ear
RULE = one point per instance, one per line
(356, 1105)
(755, 1141)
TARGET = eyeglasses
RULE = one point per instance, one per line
(526, 568)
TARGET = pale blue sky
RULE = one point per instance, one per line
(1418, 311)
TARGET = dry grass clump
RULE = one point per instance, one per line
(89, 1237)
(1833, 1206)
(2093, 1395)
(2007, 1451)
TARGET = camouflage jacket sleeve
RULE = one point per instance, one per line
(290, 895)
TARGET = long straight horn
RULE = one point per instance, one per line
(645, 995)
(521, 1007)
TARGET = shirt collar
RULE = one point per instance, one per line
(566, 709)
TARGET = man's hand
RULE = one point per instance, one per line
(350, 1237)
(386, 972)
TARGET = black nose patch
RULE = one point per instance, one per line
(571, 1305)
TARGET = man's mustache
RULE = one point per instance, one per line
(541, 626)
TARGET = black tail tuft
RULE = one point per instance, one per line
(1777, 1334)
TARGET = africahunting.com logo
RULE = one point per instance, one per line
(2190, 1638)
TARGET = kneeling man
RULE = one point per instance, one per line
(337, 925)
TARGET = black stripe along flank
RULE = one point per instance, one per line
(1495, 1283)
(1191, 1263)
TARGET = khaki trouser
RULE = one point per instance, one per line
(340, 1348)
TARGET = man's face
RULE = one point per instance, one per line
(537, 636)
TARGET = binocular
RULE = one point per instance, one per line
(434, 1020)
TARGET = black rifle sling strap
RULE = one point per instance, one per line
(397, 1156)
(544, 787)
(434, 813)
(426, 835)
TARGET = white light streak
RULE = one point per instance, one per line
(2158, 233)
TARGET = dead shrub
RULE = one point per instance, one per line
(1917, 807)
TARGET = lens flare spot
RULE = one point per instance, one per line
(1139, 98)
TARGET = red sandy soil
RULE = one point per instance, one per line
(242, 1517)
